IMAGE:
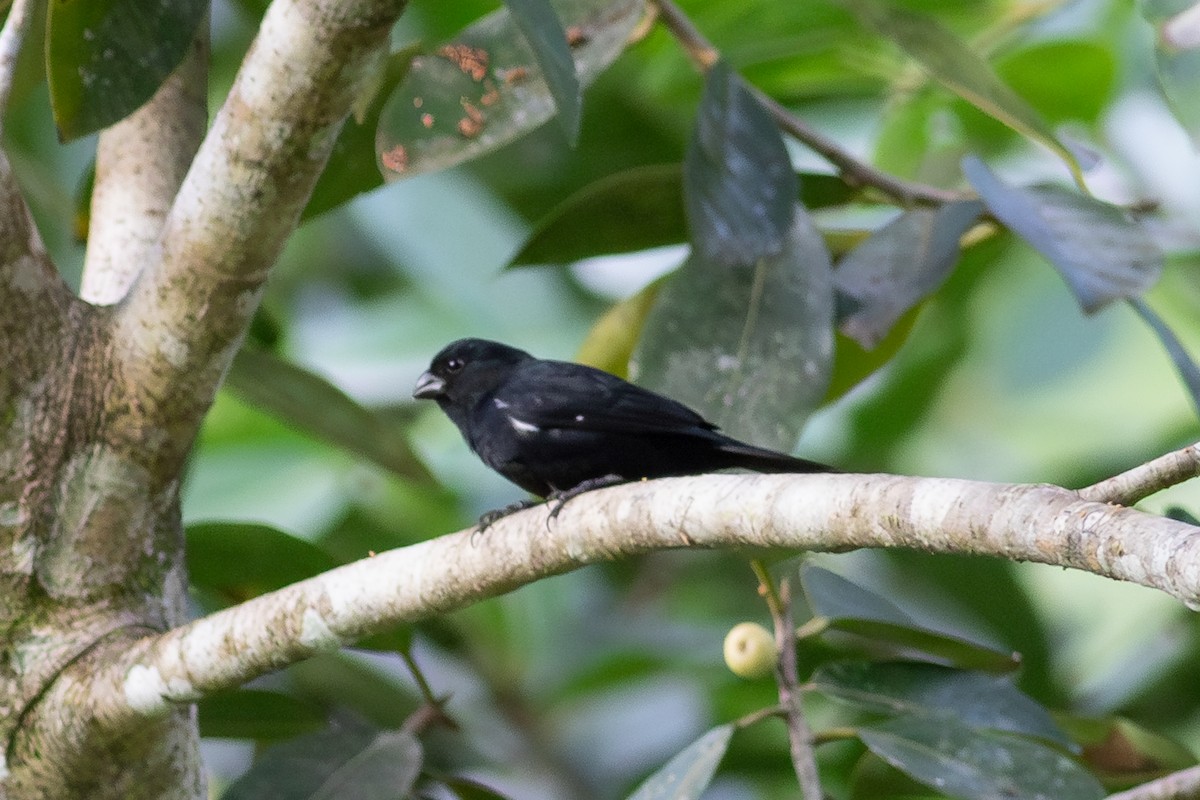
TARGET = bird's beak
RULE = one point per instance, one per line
(429, 386)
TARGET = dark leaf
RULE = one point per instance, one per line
(105, 58)
(545, 35)
(314, 405)
(1101, 251)
(831, 596)
(255, 714)
(1187, 368)
(975, 699)
(958, 66)
(348, 760)
(237, 561)
(467, 789)
(738, 185)
(750, 347)
(487, 88)
(688, 774)
(963, 762)
(898, 266)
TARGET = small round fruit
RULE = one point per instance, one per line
(750, 650)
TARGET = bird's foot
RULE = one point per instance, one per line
(495, 515)
(558, 498)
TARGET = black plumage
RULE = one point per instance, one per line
(556, 428)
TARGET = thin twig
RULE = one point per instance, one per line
(855, 172)
(1146, 479)
(800, 735)
(1182, 785)
(12, 37)
(431, 700)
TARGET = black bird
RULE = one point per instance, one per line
(557, 429)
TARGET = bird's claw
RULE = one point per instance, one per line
(558, 498)
(490, 518)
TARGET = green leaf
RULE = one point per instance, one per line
(898, 266)
(255, 714)
(1177, 62)
(105, 58)
(1102, 252)
(611, 341)
(738, 185)
(467, 789)
(1125, 754)
(853, 363)
(486, 88)
(637, 209)
(749, 347)
(849, 608)
(688, 774)
(963, 762)
(349, 760)
(238, 560)
(545, 35)
(315, 406)
(957, 66)
(975, 699)
(352, 168)
(1184, 364)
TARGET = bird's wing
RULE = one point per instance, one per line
(559, 394)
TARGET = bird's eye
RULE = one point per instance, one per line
(455, 364)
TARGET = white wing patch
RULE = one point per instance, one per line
(521, 426)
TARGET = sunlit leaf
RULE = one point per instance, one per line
(611, 341)
(898, 266)
(239, 560)
(637, 209)
(688, 774)
(545, 35)
(975, 699)
(257, 714)
(1101, 251)
(105, 58)
(959, 67)
(964, 762)
(853, 363)
(350, 759)
(1188, 371)
(750, 347)
(739, 187)
(314, 405)
(486, 88)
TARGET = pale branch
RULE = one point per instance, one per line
(1182, 785)
(1039, 523)
(853, 170)
(1146, 479)
(184, 318)
(140, 164)
(800, 736)
(12, 39)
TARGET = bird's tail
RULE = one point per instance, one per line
(761, 459)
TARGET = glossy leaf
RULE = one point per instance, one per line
(975, 699)
(486, 88)
(852, 609)
(611, 341)
(749, 347)
(545, 35)
(957, 66)
(964, 762)
(637, 209)
(898, 266)
(239, 560)
(348, 760)
(256, 714)
(315, 406)
(1102, 252)
(688, 774)
(105, 58)
(1187, 368)
(738, 185)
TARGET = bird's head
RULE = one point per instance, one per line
(466, 370)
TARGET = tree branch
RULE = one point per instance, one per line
(140, 164)
(1182, 785)
(1039, 523)
(12, 39)
(853, 171)
(1146, 479)
(185, 317)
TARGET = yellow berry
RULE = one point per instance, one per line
(750, 650)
